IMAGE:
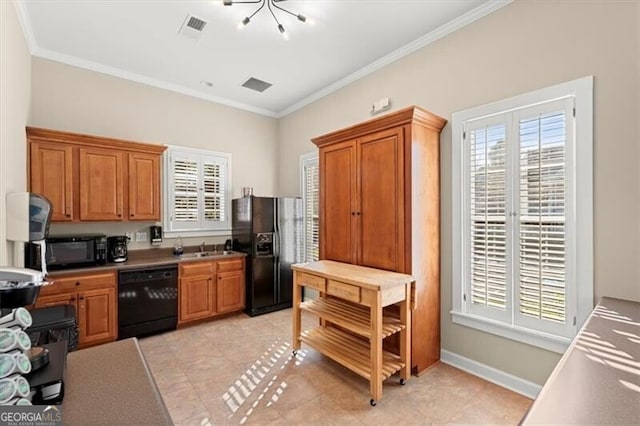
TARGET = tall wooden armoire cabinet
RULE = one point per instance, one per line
(380, 207)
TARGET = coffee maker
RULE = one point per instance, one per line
(28, 218)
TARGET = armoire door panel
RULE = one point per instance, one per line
(338, 201)
(381, 199)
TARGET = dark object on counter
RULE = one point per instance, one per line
(147, 301)
(156, 234)
(227, 245)
(54, 324)
(16, 297)
(270, 231)
(47, 382)
(117, 248)
(68, 251)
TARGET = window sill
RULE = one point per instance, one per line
(512, 332)
(198, 233)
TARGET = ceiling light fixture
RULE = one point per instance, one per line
(271, 4)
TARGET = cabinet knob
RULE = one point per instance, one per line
(81, 298)
(119, 215)
(358, 213)
(77, 282)
(73, 299)
(132, 215)
(68, 215)
(353, 213)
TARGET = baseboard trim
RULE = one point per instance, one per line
(493, 375)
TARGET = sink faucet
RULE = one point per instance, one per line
(202, 247)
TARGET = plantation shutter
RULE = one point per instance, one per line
(543, 141)
(487, 153)
(198, 190)
(213, 191)
(185, 190)
(311, 185)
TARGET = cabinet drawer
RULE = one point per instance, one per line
(69, 283)
(344, 291)
(311, 281)
(193, 269)
(230, 265)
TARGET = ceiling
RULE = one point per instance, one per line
(141, 41)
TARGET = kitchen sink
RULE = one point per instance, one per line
(208, 253)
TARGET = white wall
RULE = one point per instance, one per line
(78, 100)
(15, 89)
(524, 46)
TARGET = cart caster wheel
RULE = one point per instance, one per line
(373, 402)
(403, 382)
(295, 352)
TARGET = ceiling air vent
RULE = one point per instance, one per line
(192, 27)
(257, 85)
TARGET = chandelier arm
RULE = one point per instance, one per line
(283, 9)
(246, 2)
(270, 10)
(258, 9)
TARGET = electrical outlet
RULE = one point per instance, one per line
(141, 237)
(129, 235)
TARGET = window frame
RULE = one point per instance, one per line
(217, 228)
(579, 249)
(309, 159)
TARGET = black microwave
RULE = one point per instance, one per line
(68, 251)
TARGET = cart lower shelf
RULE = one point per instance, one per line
(350, 351)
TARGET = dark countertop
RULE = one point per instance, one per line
(111, 384)
(597, 381)
(148, 258)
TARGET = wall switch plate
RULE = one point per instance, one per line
(129, 235)
(141, 237)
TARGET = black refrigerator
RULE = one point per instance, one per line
(270, 231)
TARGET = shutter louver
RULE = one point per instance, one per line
(311, 209)
(542, 217)
(213, 183)
(185, 180)
(488, 243)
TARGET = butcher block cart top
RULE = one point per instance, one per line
(352, 323)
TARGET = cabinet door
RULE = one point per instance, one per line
(197, 298)
(97, 316)
(101, 184)
(56, 300)
(338, 206)
(381, 217)
(230, 291)
(51, 168)
(144, 187)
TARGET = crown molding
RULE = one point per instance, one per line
(25, 23)
(440, 32)
(446, 29)
(117, 72)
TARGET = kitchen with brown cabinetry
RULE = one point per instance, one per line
(393, 132)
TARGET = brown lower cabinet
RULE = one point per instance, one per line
(210, 288)
(94, 298)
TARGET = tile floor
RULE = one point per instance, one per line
(240, 370)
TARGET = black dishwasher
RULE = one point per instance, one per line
(147, 301)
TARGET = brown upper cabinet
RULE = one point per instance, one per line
(380, 207)
(91, 178)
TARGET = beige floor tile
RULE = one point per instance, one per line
(241, 370)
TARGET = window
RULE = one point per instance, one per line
(310, 173)
(523, 215)
(198, 199)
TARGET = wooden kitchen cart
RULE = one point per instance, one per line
(352, 324)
